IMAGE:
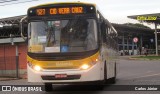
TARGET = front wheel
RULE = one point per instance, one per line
(105, 73)
(48, 87)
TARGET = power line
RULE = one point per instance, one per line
(17, 2)
(6, 1)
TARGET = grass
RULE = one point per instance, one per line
(147, 57)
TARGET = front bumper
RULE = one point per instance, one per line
(92, 74)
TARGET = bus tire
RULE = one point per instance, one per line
(104, 81)
(112, 80)
(105, 73)
(48, 87)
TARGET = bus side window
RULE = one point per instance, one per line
(107, 37)
(103, 31)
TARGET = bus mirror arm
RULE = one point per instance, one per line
(21, 27)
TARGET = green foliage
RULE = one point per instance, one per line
(148, 57)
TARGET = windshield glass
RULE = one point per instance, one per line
(75, 35)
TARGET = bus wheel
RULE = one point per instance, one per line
(101, 86)
(48, 87)
(105, 73)
(112, 80)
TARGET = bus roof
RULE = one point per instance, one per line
(56, 3)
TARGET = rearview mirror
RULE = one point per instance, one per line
(22, 27)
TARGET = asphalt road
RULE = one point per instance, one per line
(130, 72)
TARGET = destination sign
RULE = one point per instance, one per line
(54, 11)
(50, 11)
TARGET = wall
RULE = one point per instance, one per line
(8, 59)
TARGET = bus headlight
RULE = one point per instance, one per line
(85, 66)
(89, 65)
(37, 68)
(34, 67)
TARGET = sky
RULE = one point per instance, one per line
(116, 11)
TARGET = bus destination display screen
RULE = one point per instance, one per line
(54, 11)
(60, 10)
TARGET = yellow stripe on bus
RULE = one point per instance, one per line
(68, 64)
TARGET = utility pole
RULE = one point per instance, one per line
(17, 62)
(17, 56)
(156, 43)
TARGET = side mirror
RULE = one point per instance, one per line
(22, 27)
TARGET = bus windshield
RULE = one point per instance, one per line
(56, 36)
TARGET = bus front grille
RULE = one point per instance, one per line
(69, 77)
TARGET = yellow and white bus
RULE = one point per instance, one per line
(70, 43)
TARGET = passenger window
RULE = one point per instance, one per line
(103, 31)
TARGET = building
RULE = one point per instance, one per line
(153, 19)
(126, 34)
(12, 46)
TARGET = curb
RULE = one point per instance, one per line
(132, 58)
(24, 76)
(7, 79)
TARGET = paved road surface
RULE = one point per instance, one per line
(130, 72)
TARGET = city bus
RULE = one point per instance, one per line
(69, 43)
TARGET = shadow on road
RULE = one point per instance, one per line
(78, 89)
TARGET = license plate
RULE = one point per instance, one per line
(60, 75)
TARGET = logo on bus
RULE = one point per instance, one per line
(63, 64)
